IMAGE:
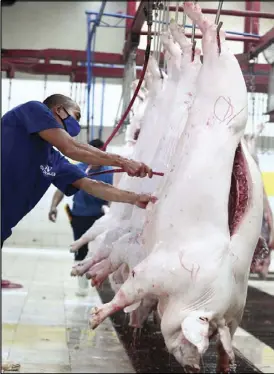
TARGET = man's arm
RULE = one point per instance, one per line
(91, 155)
(56, 199)
(107, 192)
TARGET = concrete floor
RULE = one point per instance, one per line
(44, 325)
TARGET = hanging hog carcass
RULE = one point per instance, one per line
(199, 247)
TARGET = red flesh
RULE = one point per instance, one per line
(238, 201)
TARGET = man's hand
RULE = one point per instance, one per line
(53, 214)
(143, 199)
(136, 169)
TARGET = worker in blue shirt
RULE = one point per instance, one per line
(31, 135)
(85, 211)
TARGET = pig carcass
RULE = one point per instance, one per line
(262, 265)
(182, 75)
(198, 259)
(114, 223)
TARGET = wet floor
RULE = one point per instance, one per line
(44, 325)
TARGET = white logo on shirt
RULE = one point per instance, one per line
(46, 170)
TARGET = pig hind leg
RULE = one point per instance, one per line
(207, 27)
(118, 255)
(135, 288)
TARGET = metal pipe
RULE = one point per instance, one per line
(88, 76)
(177, 13)
(102, 108)
(193, 33)
(93, 92)
(217, 18)
(91, 33)
(116, 15)
(234, 13)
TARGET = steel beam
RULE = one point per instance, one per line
(251, 24)
(136, 27)
(62, 55)
(264, 42)
(234, 13)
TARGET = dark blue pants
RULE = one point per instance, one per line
(80, 224)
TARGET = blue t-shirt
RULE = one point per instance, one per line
(29, 164)
(88, 205)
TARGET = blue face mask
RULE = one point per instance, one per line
(72, 126)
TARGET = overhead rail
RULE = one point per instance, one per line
(139, 20)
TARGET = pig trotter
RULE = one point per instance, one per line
(76, 245)
(99, 272)
(9, 366)
(82, 267)
(192, 368)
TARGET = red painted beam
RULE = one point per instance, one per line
(62, 55)
(131, 11)
(78, 73)
(136, 28)
(234, 13)
(251, 24)
(264, 42)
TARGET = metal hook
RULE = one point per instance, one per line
(218, 37)
(218, 12)
(193, 50)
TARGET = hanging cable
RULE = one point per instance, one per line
(148, 13)
(9, 97)
(177, 12)
(158, 47)
(166, 29)
(45, 86)
(76, 91)
(102, 109)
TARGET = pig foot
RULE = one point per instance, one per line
(194, 12)
(77, 244)
(82, 267)
(214, 35)
(132, 291)
(99, 272)
(178, 34)
(9, 366)
(191, 368)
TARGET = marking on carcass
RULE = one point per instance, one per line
(230, 108)
(236, 115)
(193, 271)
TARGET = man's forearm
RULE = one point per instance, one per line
(105, 191)
(57, 198)
(91, 155)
